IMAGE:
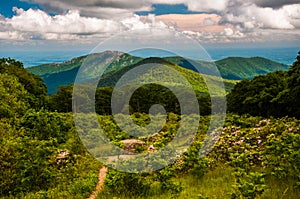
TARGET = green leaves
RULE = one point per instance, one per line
(275, 94)
(34, 86)
(257, 97)
(282, 153)
(128, 184)
(249, 185)
(44, 125)
(13, 96)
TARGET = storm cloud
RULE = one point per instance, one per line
(274, 3)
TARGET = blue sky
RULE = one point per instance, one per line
(6, 8)
(77, 24)
(161, 9)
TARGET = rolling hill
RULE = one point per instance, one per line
(235, 68)
(232, 68)
(198, 81)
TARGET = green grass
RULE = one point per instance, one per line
(282, 189)
(215, 184)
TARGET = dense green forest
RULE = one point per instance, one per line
(275, 94)
(256, 156)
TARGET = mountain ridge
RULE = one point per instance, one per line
(234, 68)
(231, 68)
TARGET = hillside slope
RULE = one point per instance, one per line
(62, 74)
(198, 81)
(235, 68)
(239, 68)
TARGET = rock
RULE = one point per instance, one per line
(131, 144)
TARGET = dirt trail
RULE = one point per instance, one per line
(101, 177)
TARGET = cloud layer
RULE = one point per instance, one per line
(221, 21)
(38, 25)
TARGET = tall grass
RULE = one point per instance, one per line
(215, 184)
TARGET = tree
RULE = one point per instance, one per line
(62, 100)
(34, 85)
(103, 100)
(293, 97)
(275, 94)
(13, 97)
(261, 96)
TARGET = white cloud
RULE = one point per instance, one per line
(207, 6)
(196, 5)
(228, 31)
(272, 18)
(293, 13)
(192, 22)
(227, 35)
(171, 2)
(209, 22)
(38, 21)
(38, 25)
(250, 16)
(11, 35)
(135, 22)
(105, 9)
(119, 8)
(235, 20)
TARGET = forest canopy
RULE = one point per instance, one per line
(275, 94)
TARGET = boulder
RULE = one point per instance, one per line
(131, 144)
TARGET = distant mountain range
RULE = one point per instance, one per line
(232, 68)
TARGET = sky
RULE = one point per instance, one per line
(72, 24)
